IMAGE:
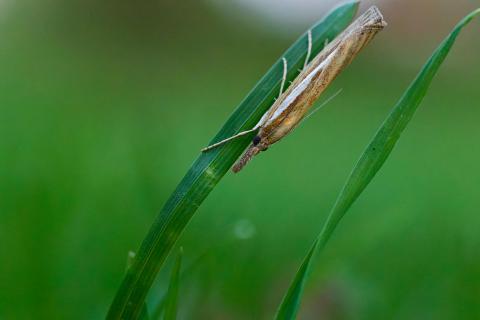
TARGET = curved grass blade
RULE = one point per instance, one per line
(130, 259)
(370, 163)
(210, 167)
(188, 271)
(172, 293)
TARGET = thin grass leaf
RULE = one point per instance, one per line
(144, 312)
(172, 293)
(188, 271)
(370, 163)
(210, 167)
(160, 308)
(130, 259)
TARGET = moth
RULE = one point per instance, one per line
(292, 106)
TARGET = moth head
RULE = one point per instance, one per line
(259, 144)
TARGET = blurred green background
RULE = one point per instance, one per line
(105, 104)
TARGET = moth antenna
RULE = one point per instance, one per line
(241, 134)
(309, 51)
(284, 77)
(246, 157)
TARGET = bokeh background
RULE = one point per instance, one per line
(105, 104)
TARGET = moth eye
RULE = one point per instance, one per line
(256, 140)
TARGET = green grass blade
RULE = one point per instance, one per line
(291, 301)
(370, 163)
(210, 167)
(172, 293)
(144, 311)
(188, 271)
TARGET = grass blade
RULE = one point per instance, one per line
(188, 271)
(144, 311)
(172, 293)
(370, 163)
(210, 167)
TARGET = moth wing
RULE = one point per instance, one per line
(264, 118)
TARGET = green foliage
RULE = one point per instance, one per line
(172, 293)
(210, 167)
(130, 259)
(370, 163)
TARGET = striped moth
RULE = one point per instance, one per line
(292, 106)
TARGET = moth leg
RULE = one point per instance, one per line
(238, 135)
(309, 51)
(284, 77)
